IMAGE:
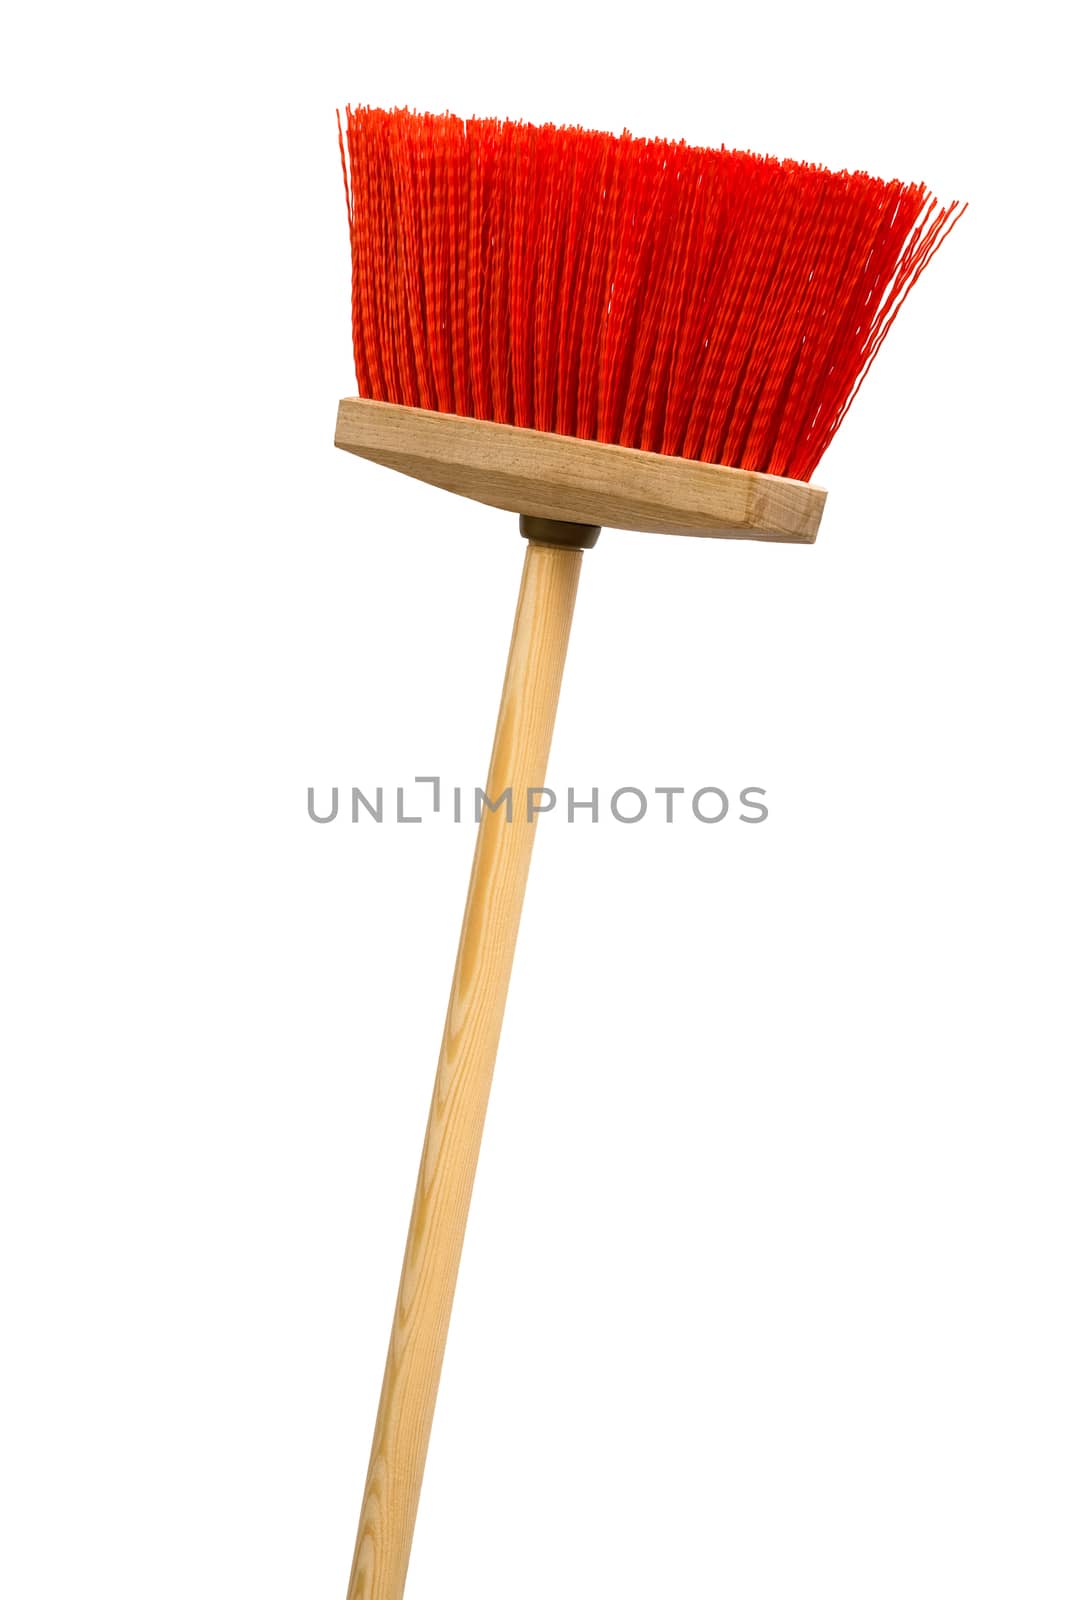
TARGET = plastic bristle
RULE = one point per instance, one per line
(705, 303)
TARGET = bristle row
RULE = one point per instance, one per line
(705, 303)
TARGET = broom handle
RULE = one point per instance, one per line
(464, 1074)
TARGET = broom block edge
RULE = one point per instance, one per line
(579, 480)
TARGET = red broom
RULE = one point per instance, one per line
(585, 329)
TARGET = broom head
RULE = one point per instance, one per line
(615, 330)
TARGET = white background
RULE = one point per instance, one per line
(763, 1293)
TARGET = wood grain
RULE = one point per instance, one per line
(464, 1074)
(579, 480)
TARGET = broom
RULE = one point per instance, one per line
(587, 330)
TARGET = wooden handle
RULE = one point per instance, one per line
(464, 1074)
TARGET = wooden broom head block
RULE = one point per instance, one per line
(579, 480)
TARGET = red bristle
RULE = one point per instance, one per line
(636, 226)
(476, 279)
(696, 302)
(458, 234)
(411, 353)
(589, 317)
(496, 267)
(518, 249)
